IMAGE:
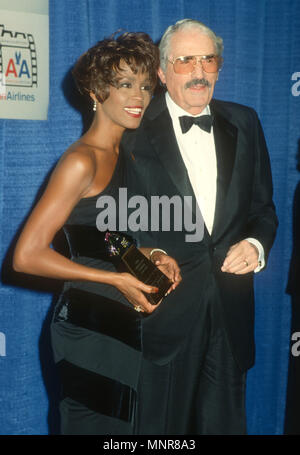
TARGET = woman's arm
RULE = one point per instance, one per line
(70, 181)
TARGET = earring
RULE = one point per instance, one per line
(95, 106)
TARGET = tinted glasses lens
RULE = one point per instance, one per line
(210, 64)
(185, 65)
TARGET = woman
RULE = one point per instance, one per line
(95, 330)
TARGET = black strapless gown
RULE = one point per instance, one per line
(96, 334)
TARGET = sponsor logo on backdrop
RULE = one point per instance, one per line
(18, 64)
(296, 86)
(296, 345)
(2, 345)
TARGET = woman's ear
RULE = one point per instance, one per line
(95, 101)
(100, 96)
(93, 96)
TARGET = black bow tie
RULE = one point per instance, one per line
(203, 121)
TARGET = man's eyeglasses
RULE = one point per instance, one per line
(186, 64)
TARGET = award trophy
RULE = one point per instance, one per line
(134, 262)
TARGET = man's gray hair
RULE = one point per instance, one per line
(186, 24)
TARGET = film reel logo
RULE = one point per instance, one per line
(18, 60)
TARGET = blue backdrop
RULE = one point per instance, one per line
(262, 53)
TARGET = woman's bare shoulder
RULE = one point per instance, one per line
(77, 166)
(79, 155)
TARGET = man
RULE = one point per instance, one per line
(199, 342)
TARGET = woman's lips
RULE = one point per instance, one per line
(134, 111)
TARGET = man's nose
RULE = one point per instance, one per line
(198, 68)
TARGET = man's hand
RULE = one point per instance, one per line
(168, 266)
(241, 258)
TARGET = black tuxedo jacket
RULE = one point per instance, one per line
(244, 208)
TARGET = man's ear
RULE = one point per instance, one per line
(161, 75)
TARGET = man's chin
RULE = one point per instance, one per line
(199, 95)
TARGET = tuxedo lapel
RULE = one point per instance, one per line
(225, 136)
(161, 135)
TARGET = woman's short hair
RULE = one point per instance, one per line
(98, 68)
(186, 24)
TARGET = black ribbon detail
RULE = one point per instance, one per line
(203, 121)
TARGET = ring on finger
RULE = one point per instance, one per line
(138, 308)
(246, 262)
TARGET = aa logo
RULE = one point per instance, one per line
(18, 59)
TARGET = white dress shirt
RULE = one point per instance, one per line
(197, 148)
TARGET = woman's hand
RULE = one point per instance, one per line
(133, 290)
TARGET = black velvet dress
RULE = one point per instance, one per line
(95, 334)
